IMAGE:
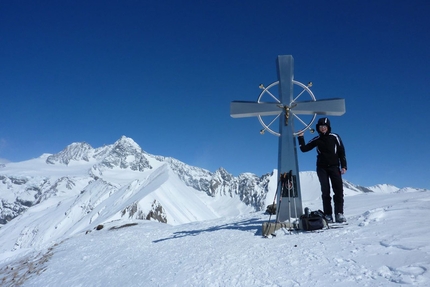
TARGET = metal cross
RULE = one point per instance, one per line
(287, 151)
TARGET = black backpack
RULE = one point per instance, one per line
(312, 220)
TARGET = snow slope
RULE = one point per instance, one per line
(385, 244)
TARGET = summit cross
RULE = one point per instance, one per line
(283, 108)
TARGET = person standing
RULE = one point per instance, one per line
(331, 164)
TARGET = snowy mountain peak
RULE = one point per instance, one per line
(223, 174)
(129, 143)
(384, 188)
(126, 153)
(75, 151)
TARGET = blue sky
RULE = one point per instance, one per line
(164, 73)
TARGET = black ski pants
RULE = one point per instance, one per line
(326, 175)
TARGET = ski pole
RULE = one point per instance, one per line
(278, 208)
(273, 204)
(290, 188)
(294, 198)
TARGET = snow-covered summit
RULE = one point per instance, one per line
(74, 151)
(125, 152)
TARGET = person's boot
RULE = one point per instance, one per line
(340, 218)
(328, 218)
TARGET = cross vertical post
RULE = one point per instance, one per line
(287, 151)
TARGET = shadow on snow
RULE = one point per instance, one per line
(246, 225)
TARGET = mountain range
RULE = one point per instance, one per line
(52, 197)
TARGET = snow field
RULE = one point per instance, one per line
(385, 244)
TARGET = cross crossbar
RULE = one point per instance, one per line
(240, 109)
(330, 107)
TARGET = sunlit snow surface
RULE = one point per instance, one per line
(385, 244)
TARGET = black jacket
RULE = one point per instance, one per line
(330, 149)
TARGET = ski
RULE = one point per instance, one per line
(337, 225)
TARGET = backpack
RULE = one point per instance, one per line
(313, 220)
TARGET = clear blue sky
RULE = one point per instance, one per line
(164, 73)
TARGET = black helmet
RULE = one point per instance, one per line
(323, 122)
